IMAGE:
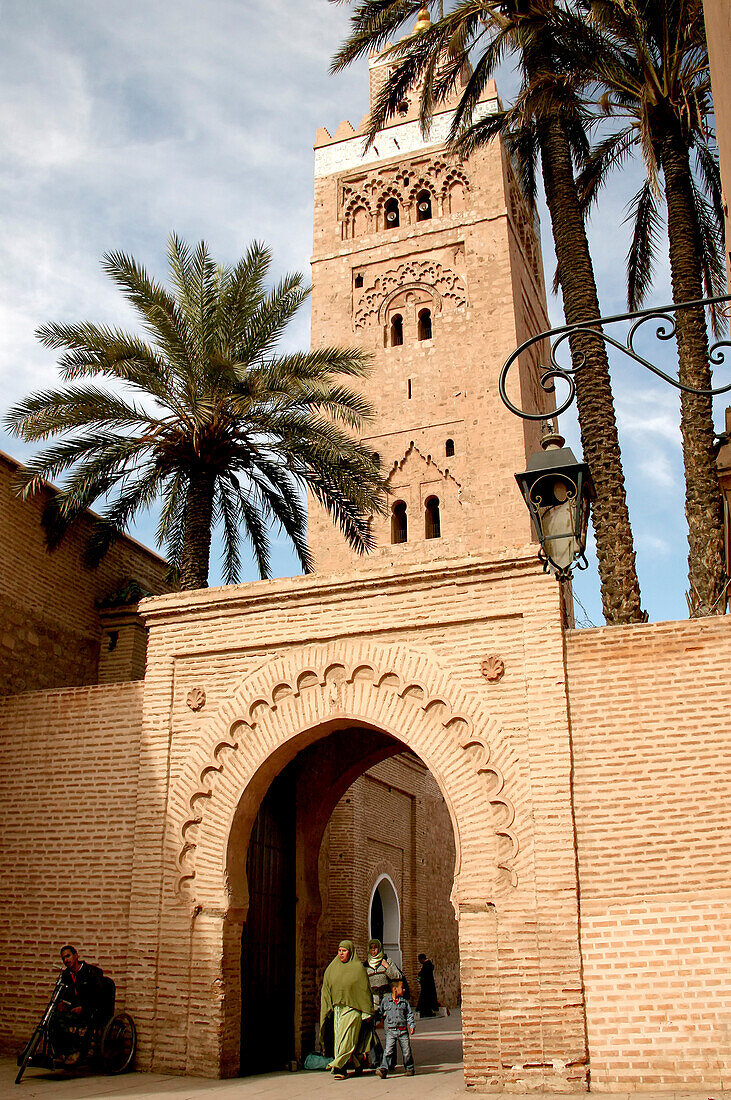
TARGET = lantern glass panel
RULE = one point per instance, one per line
(559, 534)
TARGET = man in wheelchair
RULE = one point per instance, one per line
(79, 1009)
(80, 1023)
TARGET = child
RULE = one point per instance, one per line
(398, 1021)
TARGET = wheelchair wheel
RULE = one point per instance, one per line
(118, 1045)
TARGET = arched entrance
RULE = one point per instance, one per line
(377, 806)
(385, 918)
(370, 697)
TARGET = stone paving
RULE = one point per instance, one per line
(437, 1052)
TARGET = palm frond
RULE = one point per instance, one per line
(644, 216)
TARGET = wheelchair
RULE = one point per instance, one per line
(107, 1043)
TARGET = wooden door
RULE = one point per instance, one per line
(268, 940)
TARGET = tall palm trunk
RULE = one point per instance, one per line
(703, 500)
(198, 524)
(599, 438)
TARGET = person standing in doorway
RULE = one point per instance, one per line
(346, 995)
(427, 1005)
(381, 972)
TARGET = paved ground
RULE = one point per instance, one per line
(437, 1051)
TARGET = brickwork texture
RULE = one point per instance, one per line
(649, 710)
(50, 630)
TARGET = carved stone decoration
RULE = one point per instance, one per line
(196, 698)
(446, 285)
(370, 190)
(493, 669)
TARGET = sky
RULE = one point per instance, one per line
(124, 121)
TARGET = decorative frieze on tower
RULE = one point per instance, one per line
(433, 265)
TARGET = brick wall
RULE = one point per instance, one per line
(50, 634)
(392, 821)
(649, 709)
(70, 762)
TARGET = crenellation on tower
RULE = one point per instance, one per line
(431, 263)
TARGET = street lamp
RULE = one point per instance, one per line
(558, 491)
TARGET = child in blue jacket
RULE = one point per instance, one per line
(399, 1023)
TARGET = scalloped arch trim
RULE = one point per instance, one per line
(400, 691)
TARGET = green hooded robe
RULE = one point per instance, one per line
(347, 994)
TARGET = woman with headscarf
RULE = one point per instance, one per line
(346, 995)
(381, 972)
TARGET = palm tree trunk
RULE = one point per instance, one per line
(703, 499)
(197, 534)
(599, 438)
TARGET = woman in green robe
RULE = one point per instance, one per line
(346, 995)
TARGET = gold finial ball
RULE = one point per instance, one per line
(423, 20)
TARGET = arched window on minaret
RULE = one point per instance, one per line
(391, 214)
(424, 326)
(432, 522)
(449, 448)
(397, 330)
(423, 206)
(399, 528)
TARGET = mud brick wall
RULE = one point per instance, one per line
(50, 632)
(69, 761)
(650, 710)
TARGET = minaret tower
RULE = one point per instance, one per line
(433, 265)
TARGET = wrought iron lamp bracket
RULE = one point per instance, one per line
(557, 337)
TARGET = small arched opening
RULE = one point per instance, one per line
(391, 214)
(424, 326)
(397, 330)
(432, 519)
(423, 206)
(399, 526)
(449, 448)
(385, 918)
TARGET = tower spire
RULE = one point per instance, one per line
(423, 20)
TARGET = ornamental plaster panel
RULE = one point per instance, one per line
(446, 286)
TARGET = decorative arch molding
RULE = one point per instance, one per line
(357, 202)
(425, 288)
(403, 693)
(444, 284)
(392, 191)
(424, 183)
(454, 175)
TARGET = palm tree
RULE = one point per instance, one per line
(547, 121)
(206, 416)
(653, 76)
